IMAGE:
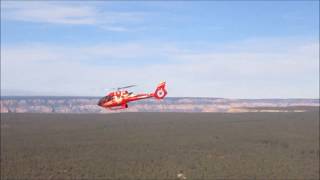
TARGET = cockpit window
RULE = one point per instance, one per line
(104, 99)
(108, 98)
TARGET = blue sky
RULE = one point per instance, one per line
(209, 49)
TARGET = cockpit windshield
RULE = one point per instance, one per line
(104, 99)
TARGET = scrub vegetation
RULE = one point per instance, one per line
(160, 145)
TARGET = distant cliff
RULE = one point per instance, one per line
(170, 104)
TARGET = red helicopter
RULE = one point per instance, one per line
(119, 99)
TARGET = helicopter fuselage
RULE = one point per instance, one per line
(120, 99)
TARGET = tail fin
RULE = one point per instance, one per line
(161, 91)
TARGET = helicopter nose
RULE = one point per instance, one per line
(100, 103)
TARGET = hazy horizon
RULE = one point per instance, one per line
(32, 94)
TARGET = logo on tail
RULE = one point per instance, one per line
(161, 91)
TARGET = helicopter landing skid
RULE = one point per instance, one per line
(118, 108)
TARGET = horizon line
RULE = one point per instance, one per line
(68, 96)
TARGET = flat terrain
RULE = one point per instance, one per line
(158, 145)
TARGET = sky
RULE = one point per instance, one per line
(228, 49)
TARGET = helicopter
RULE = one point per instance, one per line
(120, 98)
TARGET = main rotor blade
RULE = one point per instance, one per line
(125, 87)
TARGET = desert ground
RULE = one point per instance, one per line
(269, 145)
